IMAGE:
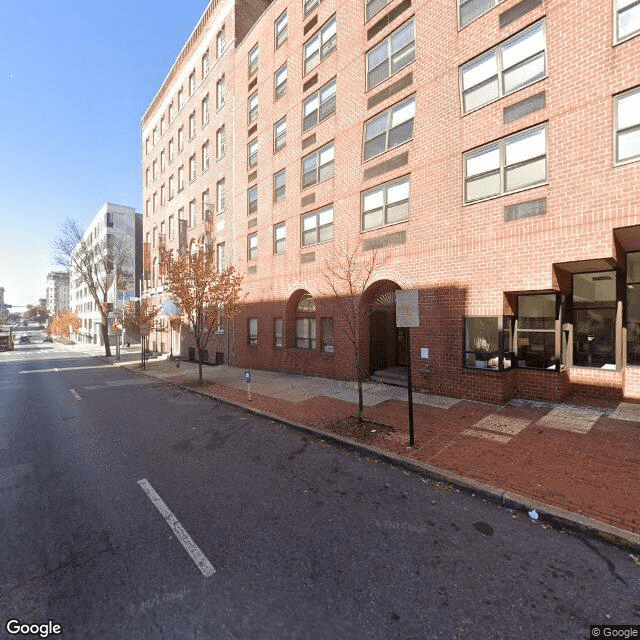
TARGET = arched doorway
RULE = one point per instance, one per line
(387, 343)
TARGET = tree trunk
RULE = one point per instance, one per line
(105, 338)
(199, 363)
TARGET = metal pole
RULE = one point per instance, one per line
(410, 388)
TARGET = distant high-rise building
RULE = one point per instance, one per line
(57, 295)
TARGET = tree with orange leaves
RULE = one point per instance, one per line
(60, 324)
(207, 298)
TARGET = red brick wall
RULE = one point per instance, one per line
(597, 383)
(542, 385)
(462, 258)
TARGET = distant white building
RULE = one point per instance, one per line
(113, 223)
(57, 296)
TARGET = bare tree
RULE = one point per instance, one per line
(207, 298)
(139, 315)
(101, 264)
(348, 273)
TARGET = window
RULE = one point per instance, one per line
(180, 139)
(321, 45)
(306, 323)
(172, 150)
(487, 342)
(627, 19)
(172, 187)
(181, 99)
(252, 246)
(206, 205)
(510, 164)
(161, 126)
(252, 200)
(627, 124)
(220, 42)
(469, 10)
(206, 156)
(318, 166)
(147, 208)
(538, 323)
(154, 169)
(516, 63)
(280, 134)
(309, 6)
(109, 219)
(192, 213)
(146, 145)
(192, 83)
(252, 153)
(253, 60)
(279, 237)
(385, 204)
(180, 179)
(155, 201)
(319, 105)
(280, 82)
(162, 195)
(205, 63)
(163, 161)
(594, 319)
(171, 227)
(391, 55)
(146, 177)
(172, 111)
(317, 226)
(220, 195)
(375, 6)
(155, 135)
(281, 29)
(192, 125)
(252, 330)
(220, 138)
(205, 110)
(633, 308)
(389, 129)
(277, 332)
(326, 335)
(252, 107)
(192, 168)
(220, 93)
(279, 186)
(221, 257)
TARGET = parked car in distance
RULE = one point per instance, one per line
(24, 339)
(47, 339)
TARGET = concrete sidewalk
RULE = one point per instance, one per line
(577, 464)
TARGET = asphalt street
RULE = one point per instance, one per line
(131, 509)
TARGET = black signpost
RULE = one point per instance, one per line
(407, 316)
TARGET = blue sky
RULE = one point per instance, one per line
(75, 80)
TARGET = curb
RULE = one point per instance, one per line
(558, 518)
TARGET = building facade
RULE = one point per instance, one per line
(57, 293)
(113, 224)
(487, 152)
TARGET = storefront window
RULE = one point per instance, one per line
(633, 308)
(594, 319)
(488, 343)
(538, 342)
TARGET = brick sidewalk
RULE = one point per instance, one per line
(582, 457)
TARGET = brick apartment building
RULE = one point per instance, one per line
(487, 150)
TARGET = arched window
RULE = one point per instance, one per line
(305, 317)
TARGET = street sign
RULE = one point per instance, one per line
(144, 329)
(407, 314)
(247, 376)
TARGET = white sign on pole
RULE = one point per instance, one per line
(407, 314)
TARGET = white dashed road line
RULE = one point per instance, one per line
(76, 395)
(206, 568)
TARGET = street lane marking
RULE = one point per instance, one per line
(206, 568)
(75, 394)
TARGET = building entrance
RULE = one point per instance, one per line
(387, 343)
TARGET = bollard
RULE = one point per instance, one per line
(178, 362)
